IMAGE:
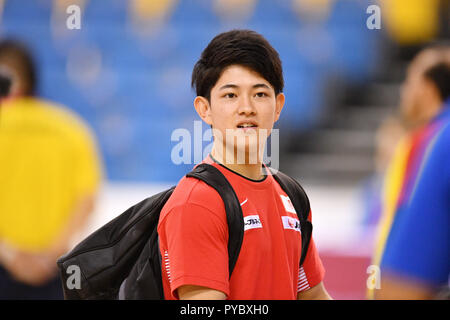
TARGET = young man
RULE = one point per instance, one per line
(239, 84)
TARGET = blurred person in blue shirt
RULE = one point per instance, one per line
(414, 254)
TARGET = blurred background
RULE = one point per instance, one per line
(126, 71)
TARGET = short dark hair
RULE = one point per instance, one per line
(439, 74)
(19, 52)
(237, 47)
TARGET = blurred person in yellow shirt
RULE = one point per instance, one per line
(50, 172)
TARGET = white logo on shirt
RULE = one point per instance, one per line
(252, 222)
(290, 223)
(287, 204)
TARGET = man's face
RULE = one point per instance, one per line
(412, 103)
(415, 98)
(15, 70)
(243, 109)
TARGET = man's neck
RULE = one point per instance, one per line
(434, 108)
(252, 171)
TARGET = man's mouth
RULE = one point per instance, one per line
(247, 125)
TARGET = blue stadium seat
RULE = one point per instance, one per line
(274, 13)
(108, 12)
(135, 112)
(189, 13)
(26, 12)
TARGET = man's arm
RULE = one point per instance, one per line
(315, 293)
(37, 268)
(396, 288)
(189, 292)
(77, 221)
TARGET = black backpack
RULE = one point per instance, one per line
(121, 260)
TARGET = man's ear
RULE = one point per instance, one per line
(203, 109)
(280, 99)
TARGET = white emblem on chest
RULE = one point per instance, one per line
(290, 223)
(252, 222)
(288, 204)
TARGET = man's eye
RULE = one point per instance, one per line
(261, 94)
(230, 95)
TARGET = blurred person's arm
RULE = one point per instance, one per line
(77, 221)
(37, 268)
(397, 288)
(315, 293)
(25, 267)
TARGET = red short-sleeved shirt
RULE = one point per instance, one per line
(193, 235)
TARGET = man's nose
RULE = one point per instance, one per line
(246, 105)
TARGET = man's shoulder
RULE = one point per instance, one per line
(194, 192)
(439, 144)
(437, 155)
(444, 135)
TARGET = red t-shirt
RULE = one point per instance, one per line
(193, 235)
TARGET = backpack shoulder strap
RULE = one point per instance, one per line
(302, 206)
(214, 178)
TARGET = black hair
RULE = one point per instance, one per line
(237, 47)
(439, 74)
(5, 85)
(17, 51)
